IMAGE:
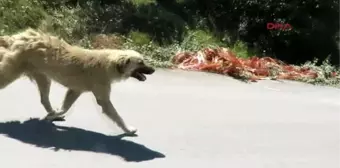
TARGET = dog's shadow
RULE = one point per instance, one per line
(48, 135)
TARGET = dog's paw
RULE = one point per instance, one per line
(54, 117)
(131, 130)
(60, 118)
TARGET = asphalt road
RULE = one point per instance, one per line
(184, 119)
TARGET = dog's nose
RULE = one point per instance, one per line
(148, 70)
(152, 70)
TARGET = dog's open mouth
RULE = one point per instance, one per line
(139, 73)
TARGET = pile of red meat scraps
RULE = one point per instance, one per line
(224, 61)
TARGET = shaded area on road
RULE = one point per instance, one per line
(48, 135)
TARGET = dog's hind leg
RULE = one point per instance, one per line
(44, 85)
(10, 69)
(70, 97)
(6, 79)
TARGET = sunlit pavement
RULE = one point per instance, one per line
(184, 119)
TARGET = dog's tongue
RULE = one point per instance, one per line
(139, 76)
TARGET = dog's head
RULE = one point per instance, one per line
(133, 65)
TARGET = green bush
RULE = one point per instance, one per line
(139, 38)
(69, 23)
(20, 14)
(315, 25)
(162, 28)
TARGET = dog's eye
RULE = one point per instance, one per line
(128, 61)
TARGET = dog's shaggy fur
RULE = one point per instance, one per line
(43, 57)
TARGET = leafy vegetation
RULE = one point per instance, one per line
(162, 28)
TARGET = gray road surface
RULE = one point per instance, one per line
(184, 119)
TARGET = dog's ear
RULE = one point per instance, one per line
(4, 41)
(122, 64)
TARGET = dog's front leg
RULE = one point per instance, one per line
(111, 112)
(103, 99)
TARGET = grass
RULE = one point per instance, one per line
(324, 73)
(142, 2)
(91, 26)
